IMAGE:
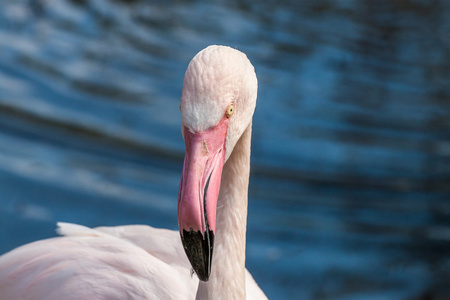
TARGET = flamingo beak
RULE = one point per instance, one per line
(199, 190)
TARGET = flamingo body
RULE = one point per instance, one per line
(115, 263)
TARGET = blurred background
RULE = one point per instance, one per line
(350, 182)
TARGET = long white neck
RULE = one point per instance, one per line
(227, 279)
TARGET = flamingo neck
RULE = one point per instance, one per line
(227, 279)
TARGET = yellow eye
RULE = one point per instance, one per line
(230, 110)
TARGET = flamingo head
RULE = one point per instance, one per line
(217, 104)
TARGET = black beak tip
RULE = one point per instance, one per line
(199, 250)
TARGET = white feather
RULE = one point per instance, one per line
(125, 262)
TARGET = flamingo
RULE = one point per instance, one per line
(142, 262)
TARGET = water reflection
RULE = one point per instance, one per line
(351, 152)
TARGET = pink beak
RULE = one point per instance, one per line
(199, 190)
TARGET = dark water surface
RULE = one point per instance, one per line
(350, 187)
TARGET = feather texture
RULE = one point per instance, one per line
(125, 262)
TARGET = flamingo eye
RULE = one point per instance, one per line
(230, 110)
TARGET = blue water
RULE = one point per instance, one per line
(350, 181)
